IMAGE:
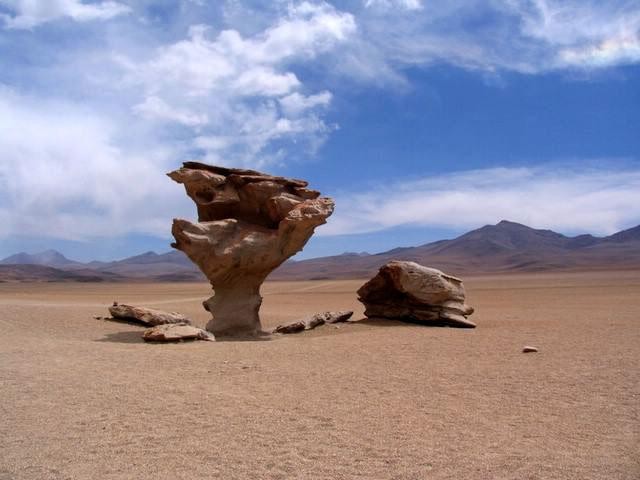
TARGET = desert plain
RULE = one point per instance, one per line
(82, 398)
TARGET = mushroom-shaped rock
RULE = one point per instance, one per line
(411, 292)
(146, 316)
(248, 224)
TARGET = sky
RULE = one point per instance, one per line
(423, 119)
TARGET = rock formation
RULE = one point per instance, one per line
(248, 224)
(408, 291)
(314, 321)
(176, 332)
(146, 316)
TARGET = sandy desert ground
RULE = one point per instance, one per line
(87, 399)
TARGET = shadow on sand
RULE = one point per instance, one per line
(135, 336)
(123, 337)
(408, 322)
(383, 322)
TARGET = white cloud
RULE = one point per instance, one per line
(31, 13)
(597, 201)
(526, 36)
(63, 175)
(586, 34)
(620, 50)
(295, 104)
(241, 89)
(386, 4)
(156, 108)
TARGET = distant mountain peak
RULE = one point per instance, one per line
(512, 225)
(509, 222)
(630, 234)
(48, 258)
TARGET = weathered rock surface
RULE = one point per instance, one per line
(411, 292)
(314, 321)
(176, 332)
(293, 327)
(335, 317)
(248, 224)
(146, 316)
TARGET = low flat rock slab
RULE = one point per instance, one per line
(314, 321)
(176, 332)
(146, 316)
(293, 327)
(334, 317)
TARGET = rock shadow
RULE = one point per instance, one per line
(389, 322)
(125, 321)
(261, 337)
(123, 337)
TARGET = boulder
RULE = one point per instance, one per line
(176, 332)
(314, 321)
(414, 293)
(529, 349)
(248, 224)
(146, 316)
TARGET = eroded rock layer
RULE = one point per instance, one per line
(248, 224)
(314, 321)
(146, 316)
(176, 332)
(411, 292)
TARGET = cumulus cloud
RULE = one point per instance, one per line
(64, 175)
(568, 199)
(239, 92)
(156, 108)
(31, 13)
(296, 104)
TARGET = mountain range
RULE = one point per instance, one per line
(504, 247)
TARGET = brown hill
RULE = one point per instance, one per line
(49, 258)
(170, 266)
(505, 247)
(42, 273)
